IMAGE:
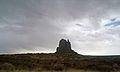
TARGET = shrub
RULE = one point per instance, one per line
(7, 66)
(58, 67)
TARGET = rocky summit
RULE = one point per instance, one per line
(65, 47)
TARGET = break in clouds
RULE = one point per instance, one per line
(93, 26)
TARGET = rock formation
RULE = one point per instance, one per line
(64, 47)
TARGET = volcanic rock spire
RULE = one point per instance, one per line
(64, 47)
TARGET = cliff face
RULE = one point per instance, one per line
(64, 47)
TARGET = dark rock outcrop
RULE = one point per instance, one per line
(65, 47)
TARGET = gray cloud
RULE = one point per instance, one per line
(26, 25)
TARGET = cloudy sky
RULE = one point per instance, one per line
(93, 26)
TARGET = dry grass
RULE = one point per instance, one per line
(47, 71)
(70, 70)
(60, 63)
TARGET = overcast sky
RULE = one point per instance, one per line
(93, 26)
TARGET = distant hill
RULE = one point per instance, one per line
(62, 59)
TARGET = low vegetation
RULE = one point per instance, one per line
(58, 62)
